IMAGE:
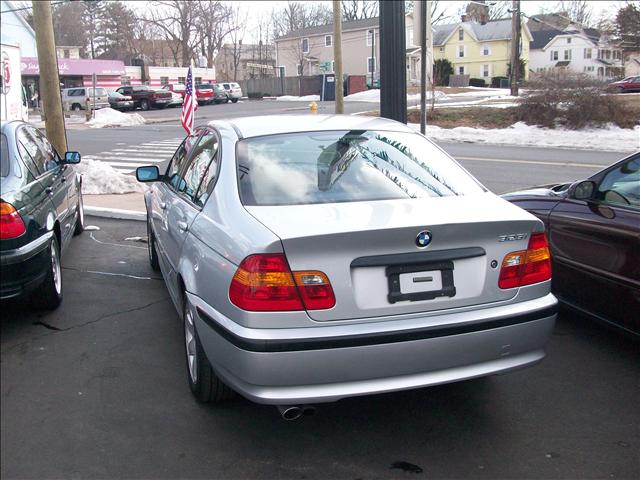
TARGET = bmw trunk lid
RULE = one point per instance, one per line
(392, 257)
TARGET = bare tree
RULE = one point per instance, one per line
(439, 11)
(359, 9)
(238, 22)
(177, 20)
(500, 9)
(578, 11)
(214, 24)
(297, 15)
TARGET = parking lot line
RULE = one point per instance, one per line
(533, 162)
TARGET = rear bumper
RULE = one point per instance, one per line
(24, 268)
(323, 364)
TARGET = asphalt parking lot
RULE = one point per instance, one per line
(98, 389)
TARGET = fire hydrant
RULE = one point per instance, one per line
(313, 107)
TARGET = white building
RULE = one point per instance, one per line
(16, 31)
(585, 51)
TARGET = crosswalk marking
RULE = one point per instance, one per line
(127, 158)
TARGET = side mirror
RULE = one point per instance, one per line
(72, 157)
(583, 190)
(148, 174)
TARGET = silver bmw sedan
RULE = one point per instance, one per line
(313, 258)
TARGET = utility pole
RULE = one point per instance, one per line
(337, 55)
(393, 61)
(515, 47)
(49, 80)
(421, 11)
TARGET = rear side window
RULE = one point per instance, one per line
(202, 169)
(346, 166)
(4, 156)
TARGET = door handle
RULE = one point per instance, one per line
(49, 190)
(163, 205)
(182, 226)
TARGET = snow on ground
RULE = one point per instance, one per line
(292, 98)
(483, 92)
(108, 117)
(373, 96)
(100, 177)
(612, 139)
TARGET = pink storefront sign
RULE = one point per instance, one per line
(79, 66)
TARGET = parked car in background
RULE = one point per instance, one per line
(594, 235)
(220, 95)
(76, 98)
(117, 101)
(629, 84)
(204, 93)
(349, 252)
(234, 92)
(146, 97)
(40, 210)
(178, 88)
(176, 100)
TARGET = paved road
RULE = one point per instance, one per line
(98, 389)
(500, 168)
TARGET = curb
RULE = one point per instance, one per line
(116, 213)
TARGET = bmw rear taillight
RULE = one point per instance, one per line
(525, 267)
(266, 283)
(11, 224)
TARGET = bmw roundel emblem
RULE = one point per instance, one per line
(423, 239)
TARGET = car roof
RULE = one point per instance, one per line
(279, 124)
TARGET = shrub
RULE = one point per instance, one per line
(477, 82)
(573, 102)
(495, 81)
(442, 68)
(257, 95)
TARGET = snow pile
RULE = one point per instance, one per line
(484, 92)
(101, 178)
(108, 117)
(415, 98)
(612, 139)
(291, 98)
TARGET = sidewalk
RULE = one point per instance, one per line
(128, 206)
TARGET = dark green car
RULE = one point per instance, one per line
(40, 210)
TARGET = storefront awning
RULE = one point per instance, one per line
(78, 66)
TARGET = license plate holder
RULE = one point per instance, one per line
(393, 276)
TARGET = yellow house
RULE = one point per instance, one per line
(479, 50)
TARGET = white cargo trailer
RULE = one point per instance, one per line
(13, 96)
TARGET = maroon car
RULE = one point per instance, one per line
(629, 84)
(593, 228)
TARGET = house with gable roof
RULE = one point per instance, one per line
(575, 50)
(479, 49)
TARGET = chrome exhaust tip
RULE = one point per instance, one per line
(290, 412)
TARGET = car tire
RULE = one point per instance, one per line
(620, 89)
(151, 247)
(203, 382)
(226, 100)
(144, 104)
(234, 100)
(76, 107)
(79, 228)
(50, 294)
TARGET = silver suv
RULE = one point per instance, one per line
(76, 98)
(234, 92)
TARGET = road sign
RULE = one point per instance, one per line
(325, 66)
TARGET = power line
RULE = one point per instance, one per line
(30, 7)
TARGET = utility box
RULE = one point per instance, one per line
(328, 91)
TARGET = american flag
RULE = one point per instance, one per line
(189, 106)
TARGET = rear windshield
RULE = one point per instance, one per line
(100, 92)
(346, 166)
(204, 86)
(4, 156)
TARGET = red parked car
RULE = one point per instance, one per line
(593, 227)
(629, 84)
(204, 93)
